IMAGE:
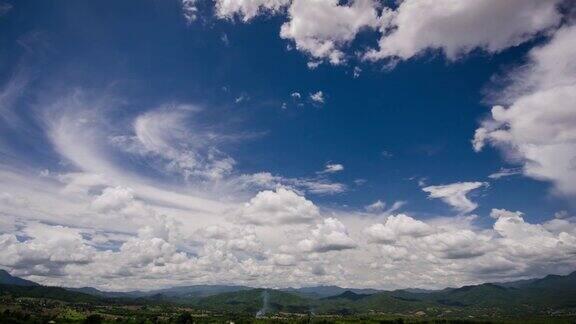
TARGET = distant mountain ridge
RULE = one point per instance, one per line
(348, 294)
(172, 292)
(7, 279)
(327, 291)
(210, 290)
(551, 294)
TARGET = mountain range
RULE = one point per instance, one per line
(7, 279)
(552, 294)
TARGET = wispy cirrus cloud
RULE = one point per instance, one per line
(505, 172)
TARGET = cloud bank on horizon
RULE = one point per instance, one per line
(99, 189)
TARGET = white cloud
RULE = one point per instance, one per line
(562, 214)
(312, 65)
(538, 128)
(376, 206)
(458, 27)
(461, 244)
(115, 226)
(511, 246)
(396, 227)
(317, 97)
(81, 136)
(282, 206)
(333, 168)
(503, 213)
(379, 206)
(321, 187)
(296, 95)
(322, 28)
(47, 252)
(330, 235)
(454, 194)
(113, 198)
(9, 199)
(265, 180)
(190, 10)
(247, 9)
(534, 241)
(356, 72)
(243, 97)
(282, 259)
(504, 172)
(285, 253)
(166, 134)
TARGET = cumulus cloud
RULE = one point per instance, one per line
(317, 97)
(537, 128)
(248, 9)
(282, 259)
(454, 194)
(509, 247)
(324, 28)
(282, 206)
(395, 227)
(47, 251)
(321, 28)
(266, 180)
(529, 241)
(462, 244)
(330, 235)
(295, 249)
(562, 214)
(113, 198)
(458, 27)
(503, 213)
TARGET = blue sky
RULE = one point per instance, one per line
(134, 98)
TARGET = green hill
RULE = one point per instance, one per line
(484, 295)
(55, 293)
(384, 302)
(253, 301)
(551, 292)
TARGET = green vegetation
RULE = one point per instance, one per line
(55, 293)
(548, 300)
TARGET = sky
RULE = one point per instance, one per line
(287, 143)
